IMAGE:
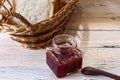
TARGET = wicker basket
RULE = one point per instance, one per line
(38, 35)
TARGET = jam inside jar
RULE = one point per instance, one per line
(64, 57)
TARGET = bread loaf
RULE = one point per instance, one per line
(36, 10)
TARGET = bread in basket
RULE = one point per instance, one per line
(37, 35)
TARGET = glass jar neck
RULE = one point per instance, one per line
(64, 43)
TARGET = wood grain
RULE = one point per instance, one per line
(99, 39)
(95, 24)
(99, 8)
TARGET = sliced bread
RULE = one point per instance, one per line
(36, 10)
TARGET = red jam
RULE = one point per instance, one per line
(64, 59)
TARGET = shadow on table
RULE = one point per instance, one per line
(78, 28)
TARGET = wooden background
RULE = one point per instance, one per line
(96, 26)
(100, 8)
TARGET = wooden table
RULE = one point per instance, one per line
(98, 37)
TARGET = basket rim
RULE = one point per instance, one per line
(15, 29)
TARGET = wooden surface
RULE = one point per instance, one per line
(100, 8)
(98, 36)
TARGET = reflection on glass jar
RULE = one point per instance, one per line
(64, 57)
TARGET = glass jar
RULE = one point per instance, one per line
(64, 57)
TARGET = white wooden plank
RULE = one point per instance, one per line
(96, 38)
(99, 8)
(18, 56)
(5, 41)
(103, 58)
(101, 24)
(25, 73)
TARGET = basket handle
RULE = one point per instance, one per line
(21, 18)
(9, 13)
(65, 1)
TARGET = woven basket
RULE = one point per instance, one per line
(38, 35)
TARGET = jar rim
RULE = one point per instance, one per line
(67, 36)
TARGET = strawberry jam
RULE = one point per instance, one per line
(64, 58)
